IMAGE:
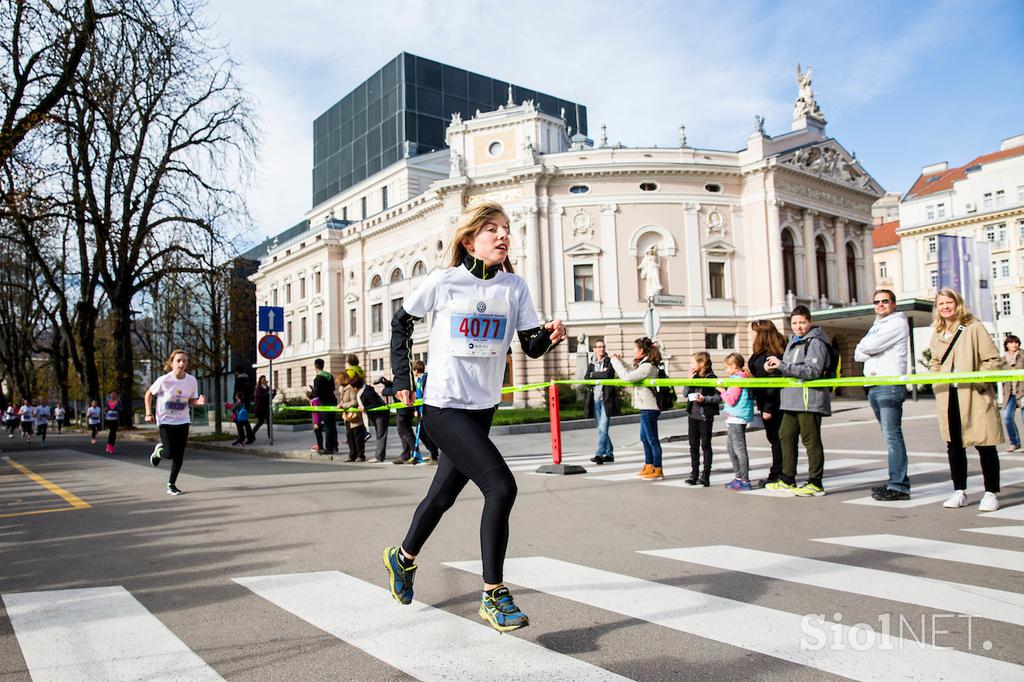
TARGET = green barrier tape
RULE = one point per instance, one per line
(934, 379)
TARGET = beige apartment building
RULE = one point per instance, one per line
(602, 233)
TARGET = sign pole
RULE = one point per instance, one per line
(270, 400)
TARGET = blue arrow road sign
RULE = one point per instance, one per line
(271, 318)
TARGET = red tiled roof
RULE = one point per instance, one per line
(944, 179)
(885, 234)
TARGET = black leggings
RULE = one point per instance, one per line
(174, 437)
(112, 435)
(94, 428)
(699, 435)
(957, 453)
(771, 430)
(468, 455)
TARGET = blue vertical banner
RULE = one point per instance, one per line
(964, 265)
(949, 274)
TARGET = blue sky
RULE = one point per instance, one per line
(903, 84)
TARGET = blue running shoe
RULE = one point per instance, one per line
(399, 578)
(501, 613)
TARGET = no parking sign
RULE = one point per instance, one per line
(271, 347)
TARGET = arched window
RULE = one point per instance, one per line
(820, 258)
(851, 270)
(788, 262)
(419, 269)
(396, 275)
(375, 282)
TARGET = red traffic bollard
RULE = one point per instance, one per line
(556, 440)
(556, 424)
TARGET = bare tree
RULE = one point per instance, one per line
(157, 126)
(41, 50)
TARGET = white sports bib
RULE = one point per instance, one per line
(478, 327)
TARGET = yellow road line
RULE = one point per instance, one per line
(72, 499)
(37, 511)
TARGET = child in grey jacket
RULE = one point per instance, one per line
(806, 357)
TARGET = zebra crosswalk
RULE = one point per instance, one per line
(105, 633)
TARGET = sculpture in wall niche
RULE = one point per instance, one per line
(582, 225)
(715, 223)
(650, 271)
(457, 166)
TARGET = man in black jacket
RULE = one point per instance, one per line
(601, 403)
(323, 389)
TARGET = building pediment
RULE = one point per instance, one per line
(719, 247)
(581, 249)
(830, 161)
(351, 297)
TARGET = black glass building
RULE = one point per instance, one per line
(404, 109)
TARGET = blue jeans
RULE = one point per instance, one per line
(1009, 419)
(604, 443)
(649, 437)
(887, 403)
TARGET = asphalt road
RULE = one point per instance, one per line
(718, 609)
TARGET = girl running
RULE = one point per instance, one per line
(175, 392)
(28, 417)
(477, 303)
(92, 418)
(58, 416)
(10, 420)
(42, 422)
(112, 416)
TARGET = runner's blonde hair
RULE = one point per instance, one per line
(170, 358)
(472, 220)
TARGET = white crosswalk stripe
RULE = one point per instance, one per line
(756, 628)
(100, 633)
(1014, 513)
(1005, 531)
(836, 483)
(934, 549)
(938, 594)
(933, 493)
(447, 647)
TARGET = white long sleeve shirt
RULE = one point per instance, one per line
(883, 350)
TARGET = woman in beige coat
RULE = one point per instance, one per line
(968, 413)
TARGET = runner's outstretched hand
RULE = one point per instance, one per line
(557, 330)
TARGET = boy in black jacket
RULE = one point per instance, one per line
(323, 390)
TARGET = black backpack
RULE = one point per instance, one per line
(835, 363)
(664, 395)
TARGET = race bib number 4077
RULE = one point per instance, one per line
(478, 327)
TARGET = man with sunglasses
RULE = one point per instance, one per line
(883, 350)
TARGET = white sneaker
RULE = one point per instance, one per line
(157, 455)
(956, 500)
(989, 502)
